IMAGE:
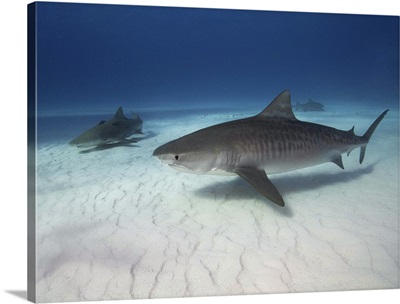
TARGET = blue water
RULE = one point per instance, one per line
(93, 58)
(110, 218)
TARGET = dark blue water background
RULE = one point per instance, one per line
(93, 58)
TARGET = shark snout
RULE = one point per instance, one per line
(160, 155)
(165, 158)
(168, 156)
(164, 151)
(157, 152)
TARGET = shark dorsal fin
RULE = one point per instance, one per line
(119, 114)
(280, 108)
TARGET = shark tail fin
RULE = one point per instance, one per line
(369, 133)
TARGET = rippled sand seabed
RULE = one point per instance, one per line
(118, 224)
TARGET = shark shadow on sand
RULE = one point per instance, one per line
(238, 189)
(127, 143)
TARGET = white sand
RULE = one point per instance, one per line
(119, 224)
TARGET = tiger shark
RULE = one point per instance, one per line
(274, 141)
(112, 131)
(310, 105)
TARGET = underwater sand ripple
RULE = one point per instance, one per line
(118, 224)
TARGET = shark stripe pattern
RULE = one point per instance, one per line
(273, 141)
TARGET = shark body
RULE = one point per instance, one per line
(310, 105)
(273, 141)
(114, 130)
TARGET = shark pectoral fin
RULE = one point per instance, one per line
(259, 180)
(338, 161)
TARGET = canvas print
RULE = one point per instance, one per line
(181, 152)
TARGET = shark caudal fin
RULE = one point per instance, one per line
(369, 133)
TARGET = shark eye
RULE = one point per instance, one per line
(176, 157)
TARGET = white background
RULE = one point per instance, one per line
(13, 152)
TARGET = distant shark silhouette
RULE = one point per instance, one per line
(115, 130)
(273, 141)
(310, 105)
